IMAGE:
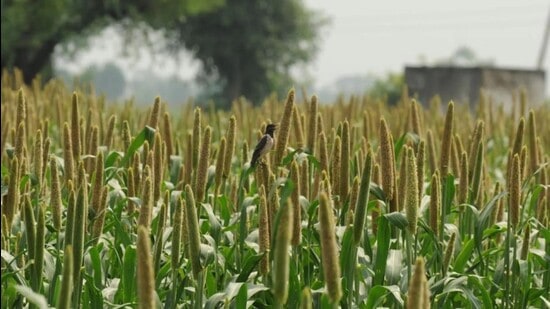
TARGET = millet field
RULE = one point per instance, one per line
(359, 204)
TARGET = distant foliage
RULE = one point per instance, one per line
(32, 29)
(388, 89)
(251, 47)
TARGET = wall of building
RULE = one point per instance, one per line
(463, 84)
(500, 85)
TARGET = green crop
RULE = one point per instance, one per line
(359, 204)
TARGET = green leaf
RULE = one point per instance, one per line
(175, 164)
(242, 297)
(463, 257)
(95, 296)
(285, 194)
(147, 134)
(34, 298)
(475, 281)
(211, 283)
(377, 191)
(112, 158)
(129, 274)
(448, 193)
(456, 286)
(312, 210)
(289, 157)
(249, 265)
(12, 265)
(545, 301)
(215, 225)
(482, 222)
(9, 294)
(313, 160)
(242, 223)
(96, 264)
(23, 182)
(215, 300)
(383, 245)
(225, 211)
(535, 294)
(409, 136)
(286, 191)
(348, 260)
(520, 269)
(233, 289)
(535, 198)
(122, 237)
(378, 294)
(397, 219)
(294, 285)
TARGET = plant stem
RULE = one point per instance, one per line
(200, 289)
(408, 244)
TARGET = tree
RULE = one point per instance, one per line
(252, 45)
(245, 47)
(389, 88)
(32, 29)
(465, 56)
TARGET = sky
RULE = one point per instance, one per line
(378, 37)
(383, 36)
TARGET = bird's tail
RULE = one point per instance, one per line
(254, 160)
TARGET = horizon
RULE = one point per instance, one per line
(492, 25)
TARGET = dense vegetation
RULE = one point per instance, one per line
(359, 204)
(244, 48)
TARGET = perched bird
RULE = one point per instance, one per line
(264, 145)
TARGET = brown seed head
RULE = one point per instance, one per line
(146, 203)
(449, 251)
(387, 160)
(196, 136)
(446, 141)
(193, 230)
(55, 196)
(202, 169)
(297, 209)
(312, 128)
(345, 162)
(155, 114)
(335, 169)
(329, 249)
(284, 129)
(514, 190)
(75, 128)
(435, 203)
(281, 257)
(145, 272)
(411, 193)
(264, 233)
(415, 299)
(220, 164)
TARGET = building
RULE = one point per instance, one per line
(463, 84)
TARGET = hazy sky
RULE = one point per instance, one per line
(383, 36)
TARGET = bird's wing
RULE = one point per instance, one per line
(261, 144)
(258, 150)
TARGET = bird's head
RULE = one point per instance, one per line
(270, 128)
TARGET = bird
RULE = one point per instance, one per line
(264, 145)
